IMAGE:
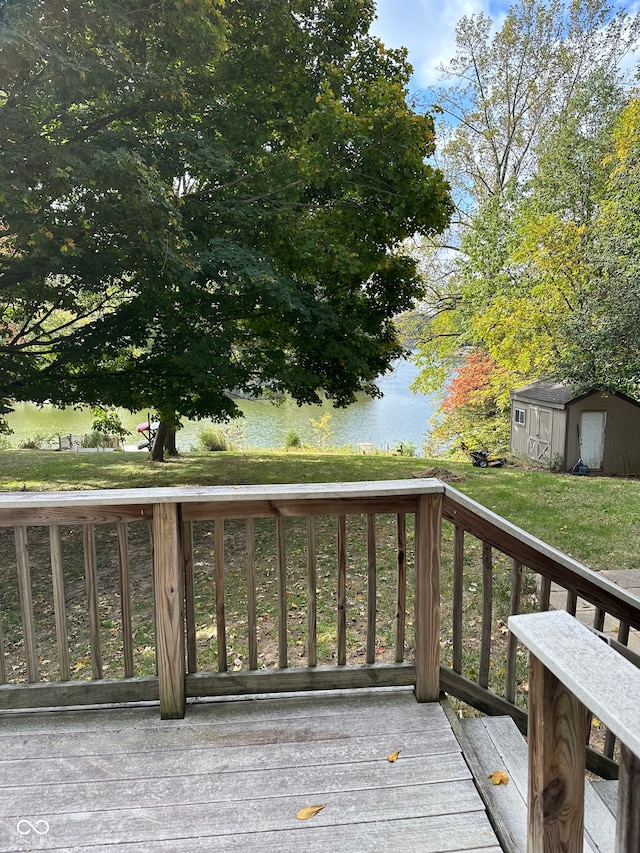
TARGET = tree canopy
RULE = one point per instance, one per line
(205, 196)
(531, 108)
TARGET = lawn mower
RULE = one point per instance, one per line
(483, 459)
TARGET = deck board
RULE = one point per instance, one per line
(233, 775)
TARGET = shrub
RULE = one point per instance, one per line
(292, 439)
(213, 439)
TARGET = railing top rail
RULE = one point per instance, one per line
(239, 494)
(605, 682)
(534, 544)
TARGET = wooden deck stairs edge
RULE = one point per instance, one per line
(495, 743)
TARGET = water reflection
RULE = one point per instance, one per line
(398, 416)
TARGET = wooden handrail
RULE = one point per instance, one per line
(572, 669)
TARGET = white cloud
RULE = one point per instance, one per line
(426, 28)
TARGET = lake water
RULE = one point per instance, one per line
(400, 416)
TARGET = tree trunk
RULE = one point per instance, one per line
(157, 451)
(170, 443)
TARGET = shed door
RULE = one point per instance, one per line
(592, 426)
(540, 434)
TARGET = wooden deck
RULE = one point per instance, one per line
(233, 775)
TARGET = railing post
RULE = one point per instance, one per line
(557, 737)
(628, 828)
(169, 601)
(427, 597)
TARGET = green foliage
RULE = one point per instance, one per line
(107, 422)
(160, 253)
(533, 106)
(322, 431)
(292, 440)
(213, 439)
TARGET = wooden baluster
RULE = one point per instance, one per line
(556, 764)
(512, 643)
(283, 644)
(372, 590)
(252, 622)
(3, 663)
(312, 584)
(26, 603)
(487, 614)
(427, 597)
(342, 591)
(628, 823)
(571, 604)
(189, 596)
(401, 605)
(545, 593)
(125, 598)
(91, 579)
(221, 623)
(458, 589)
(168, 576)
(57, 580)
(598, 619)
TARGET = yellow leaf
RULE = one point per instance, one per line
(309, 811)
(498, 777)
(394, 756)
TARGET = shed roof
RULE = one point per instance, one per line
(559, 394)
(546, 391)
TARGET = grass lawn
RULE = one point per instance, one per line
(594, 519)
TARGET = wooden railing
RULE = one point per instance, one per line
(571, 671)
(119, 596)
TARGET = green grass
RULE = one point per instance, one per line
(594, 519)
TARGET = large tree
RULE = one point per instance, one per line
(271, 185)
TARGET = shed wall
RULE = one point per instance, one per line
(622, 433)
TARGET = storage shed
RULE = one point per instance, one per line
(556, 427)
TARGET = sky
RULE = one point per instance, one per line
(427, 29)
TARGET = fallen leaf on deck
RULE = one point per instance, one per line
(309, 811)
(394, 756)
(498, 777)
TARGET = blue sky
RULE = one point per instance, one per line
(427, 29)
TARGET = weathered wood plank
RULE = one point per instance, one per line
(169, 604)
(42, 513)
(14, 697)
(512, 642)
(628, 829)
(341, 593)
(458, 578)
(279, 507)
(232, 494)
(588, 666)
(125, 599)
(205, 830)
(128, 791)
(345, 677)
(557, 737)
(59, 607)
(401, 592)
(252, 622)
(372, 591)
(91, 583)
(189, 597)
(312, 583)
(487, 614)
(281, 553)
(221, 621)
(427, 597)
(26, 603)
